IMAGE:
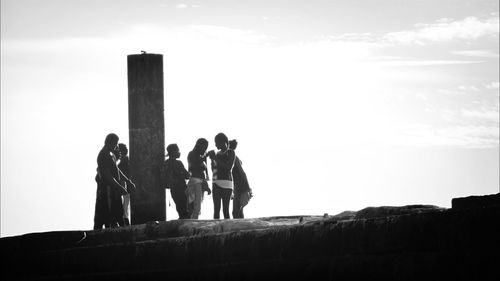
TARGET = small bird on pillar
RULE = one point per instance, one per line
(143, 52)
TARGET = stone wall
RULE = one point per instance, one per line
(433, 245)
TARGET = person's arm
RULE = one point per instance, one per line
(127, 180)
(182, 171)
(207, 176)
(211, 154)
(108, 177)
(190, 161)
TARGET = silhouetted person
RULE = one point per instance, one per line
(197, 167)
(108, 207)
(242, 191)
(175, 176)
(123, 165)
(222, 166)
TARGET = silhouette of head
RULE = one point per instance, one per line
(233, 144)
(117, 152)
(221, 141)
(201, 146)
(173, 151)
(123, 149)
(111, 141)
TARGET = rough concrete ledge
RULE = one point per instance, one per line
(476, 201)
(434, 245)
(153, 230)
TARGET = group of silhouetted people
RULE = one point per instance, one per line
(113, 185)
(229, 180)
(187, 187)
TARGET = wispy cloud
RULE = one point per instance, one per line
(486, 114)
(493, 85)
(445, 30)
(477, 53)
(367, 37)
(186, 6)
(472, 136)
(468, 88)
(463, 89)
(397, 63)
(231, 34)
(442, 30)
(464, 135)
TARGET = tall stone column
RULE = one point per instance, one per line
(146, 136)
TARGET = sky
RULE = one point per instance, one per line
(336, 105)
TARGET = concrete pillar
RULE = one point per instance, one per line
(146, 136)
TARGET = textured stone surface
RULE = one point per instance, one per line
(431, 245)
(385, 211)
(476, 201)
(146, 136)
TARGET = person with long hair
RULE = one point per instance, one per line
(110, 187)
(197, 167)
(242, 191)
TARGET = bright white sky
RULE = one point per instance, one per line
(337, 105)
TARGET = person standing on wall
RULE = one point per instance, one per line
(222, 165)
(108, 206)
(197, 184)
(242, 190)
(174, 175)
(123, 165)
